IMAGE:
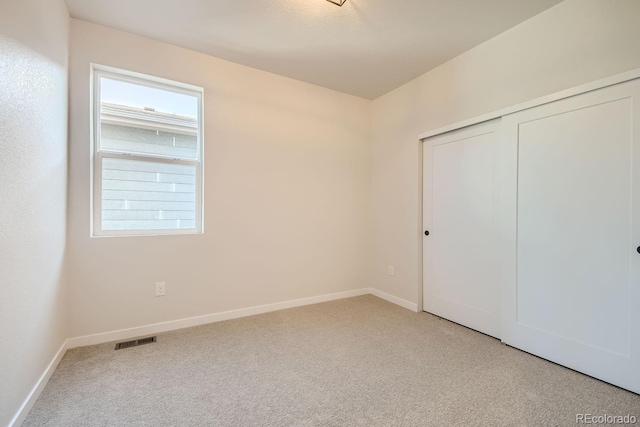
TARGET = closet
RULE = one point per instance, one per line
(533, 226)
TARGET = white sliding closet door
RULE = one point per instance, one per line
(460, 263)
(571, 222)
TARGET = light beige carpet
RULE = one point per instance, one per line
(354, 362)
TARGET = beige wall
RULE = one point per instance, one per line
(286, 194)
(575, 42)
(33, 173)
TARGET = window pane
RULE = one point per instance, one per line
(139, 119)
(147, 195)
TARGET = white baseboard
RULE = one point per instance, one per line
(394, 299)
(186, 323)
(205, 319)
(22, 413)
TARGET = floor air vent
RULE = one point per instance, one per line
(135, 343)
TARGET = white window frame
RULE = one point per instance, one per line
(97, 155)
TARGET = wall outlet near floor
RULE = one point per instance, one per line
(160, 289)
(391, 272)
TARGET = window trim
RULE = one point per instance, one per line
(97, 155)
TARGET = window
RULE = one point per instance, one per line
(147, 155)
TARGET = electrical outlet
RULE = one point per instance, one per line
(160, 289)
(391, 273)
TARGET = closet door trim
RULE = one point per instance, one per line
(588, 87)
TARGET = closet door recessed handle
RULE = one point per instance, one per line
(638, 249)
(426, 233)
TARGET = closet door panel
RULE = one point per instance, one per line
(461, 279)
(574, 205)
(571, 270)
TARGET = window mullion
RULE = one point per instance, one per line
(143, 158)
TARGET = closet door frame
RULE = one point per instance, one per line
(577, 90)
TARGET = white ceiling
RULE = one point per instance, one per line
(365, 48)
